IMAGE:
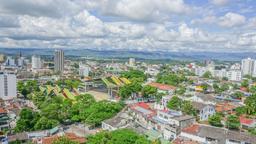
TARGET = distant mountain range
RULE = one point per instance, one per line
(137, 54)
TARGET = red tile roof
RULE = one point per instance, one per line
(247, 121)
(183, 141)
(244, 89)
(2, 110)
(49, 140)
(193, 129)
(162, 86)
(148, 111)
(71, 136)
(224, 107)
(143, 105)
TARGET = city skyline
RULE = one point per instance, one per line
(146, 25)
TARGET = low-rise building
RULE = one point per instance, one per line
(234, 75)
(247, 123)
(163, 88)
(204, 111)
(121, 120)
(213, 135)
(141, 113)
(4, 119)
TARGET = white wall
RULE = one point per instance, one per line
(11, 86)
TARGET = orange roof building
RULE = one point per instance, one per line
(225, 107)
(70, 136)
(163, 87)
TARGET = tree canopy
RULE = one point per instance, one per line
(127, 90)
(207, 75)
(170, 78)
(215, 120)
(148, 91)
(136, 75)
(55, 110)
(250, 103)
(121, 136)
(233, 122)
(178, 104)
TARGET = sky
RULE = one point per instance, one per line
(144, 25)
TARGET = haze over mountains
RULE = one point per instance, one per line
(232, 56)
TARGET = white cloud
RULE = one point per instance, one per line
(251, 23)
(231, 19)
(228, 20)
(142, 10)
(219, 2)
(121, 24)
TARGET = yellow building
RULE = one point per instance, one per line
(1, 57)
(199, 88)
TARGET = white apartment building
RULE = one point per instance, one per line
(199, 71)
(234, 75)
(8, 88)
(131, 61)
(204, 111)
(59, 61)
(20, 61)
(10, 62)
(236, 66)
(220, 73)
(36, 62)
(2, 57)
(247, 66)
(84, 70)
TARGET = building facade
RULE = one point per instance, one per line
(247, 66)
(204, 111)
(36, 62)
(8, 88)
(234, 75)
(59, 61)
(84, 70)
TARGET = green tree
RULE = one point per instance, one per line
(27, 120)
(180, 91)
(216, 88)
(44, 123)
(250, 104)
(175, 103)
(148, 91)
(100, 111)
(252, 131)
(207, 75)
(188, 108)
(240, 110)
(121, 136)
(127, 90)
(170, 78)
(215, 120)
(134, 74)
(205, 87)
(224, 87)
(26, 87)
(238, 95)
(245, 83)
(232, 122)
(252, 89)
(64, 140)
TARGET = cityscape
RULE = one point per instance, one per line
(127, 72)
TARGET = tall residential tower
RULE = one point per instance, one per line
(247, 66)
(59, 61)
(8, 88)
(36, 62)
